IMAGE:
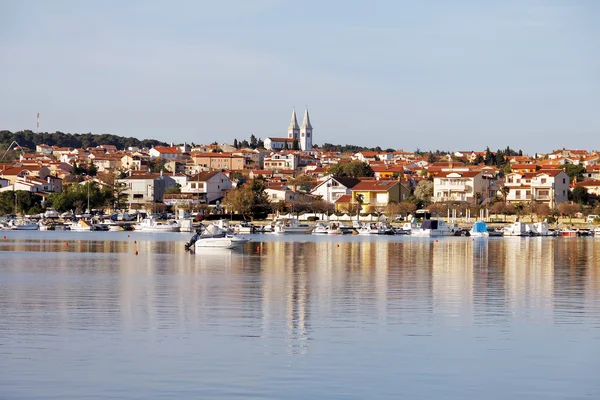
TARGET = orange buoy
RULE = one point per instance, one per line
(136, 253)
(4, 237)
(257, 248)
(337, 245)
(135, 241)
(66, 243)
(436, 240)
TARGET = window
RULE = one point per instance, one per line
(138, 196)
(564, 181)
(274, 195)
(564, 193)
(543, 180)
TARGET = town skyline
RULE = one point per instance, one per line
(448, 76)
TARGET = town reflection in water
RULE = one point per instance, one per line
(272, 289)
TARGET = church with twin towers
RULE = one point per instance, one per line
(302, 134)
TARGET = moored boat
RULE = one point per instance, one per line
(434, 227)
(152, 225)
(517, 228)
(479, 229)
(290, 225)
(212, 237)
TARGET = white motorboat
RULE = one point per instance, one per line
(320, 229)
(434, 227)
(152, 225)
(597, 232)
(376, 228)
(243, 227)
(213, 237)
(517, 229)
(81, 226)
(22, 225)
(333, 228)
(541, 229)
(407, 228)
(290, 225)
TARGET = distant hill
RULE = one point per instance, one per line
(29, 139)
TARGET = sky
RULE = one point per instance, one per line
(447, 74)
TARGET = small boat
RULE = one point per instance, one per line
(541, 229)
(243, 227)
(479, 229)
(213, 237)
(566, 232)
(407, 228)
(81, 226)
(434, 227)
(290, 225)
(333, 228)
(22, 225)
(320, 229)
(495, 232)
(152, 225)
(517, 229)
(376, 228)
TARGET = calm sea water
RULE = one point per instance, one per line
(298, 317)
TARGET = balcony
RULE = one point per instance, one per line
(458, 187)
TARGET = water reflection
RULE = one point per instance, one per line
(315, 297)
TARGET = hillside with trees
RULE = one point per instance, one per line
(28, 139)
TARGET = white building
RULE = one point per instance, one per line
(280, 161)
(334, 187)
(544, 186)
(467, 186)
(208, 186)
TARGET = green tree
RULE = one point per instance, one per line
(355, 169)
(575, 171)
(580, 195)
(295, 145)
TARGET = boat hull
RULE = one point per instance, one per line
(221, 243)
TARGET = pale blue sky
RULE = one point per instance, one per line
(404, 74)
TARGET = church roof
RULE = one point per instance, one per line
(306, 122)
(293, 122)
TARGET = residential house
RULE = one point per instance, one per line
(134, 161)
(279, 161)
(471, 186)
(366, 156)
(166, 153)
(43, 149)
(208, 187)
(11, 174)
(376, 195)
(592, 186)
(592, 172)
(146, 188)
(281, 193)
(544, 186)
(334, 187)
(220, 161)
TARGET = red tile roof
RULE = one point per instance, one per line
(374, 186)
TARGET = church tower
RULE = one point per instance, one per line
(306, 133)
(293, 129)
